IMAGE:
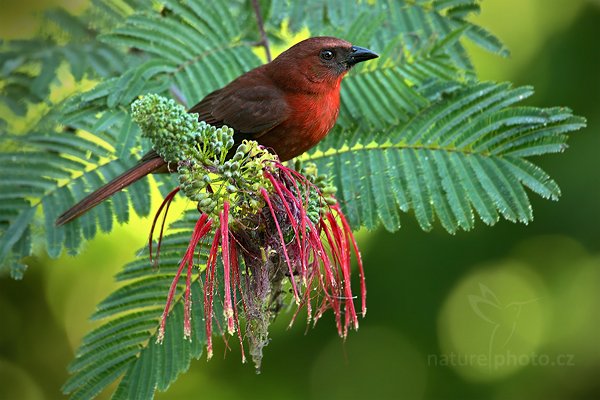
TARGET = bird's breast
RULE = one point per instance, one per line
(316, 115)
(311, 117)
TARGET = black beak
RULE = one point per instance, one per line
(360, 54)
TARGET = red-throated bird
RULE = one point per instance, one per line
(287, 105)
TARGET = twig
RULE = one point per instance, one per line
(264, 41)
(178, 95)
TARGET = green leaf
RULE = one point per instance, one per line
(126, 342)
(15, 231)
(460, 152)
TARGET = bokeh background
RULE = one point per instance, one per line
(503, 312)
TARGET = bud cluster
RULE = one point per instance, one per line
(167, 125)
(210, 171)
(209, 178)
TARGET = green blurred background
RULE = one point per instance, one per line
(503, 312)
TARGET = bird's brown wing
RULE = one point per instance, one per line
(251, 105)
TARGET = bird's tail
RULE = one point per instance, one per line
(119, 183)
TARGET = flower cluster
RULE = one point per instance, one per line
(213, 181)
(270, 226)
(171, 129)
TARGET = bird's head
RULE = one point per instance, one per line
(323, 59)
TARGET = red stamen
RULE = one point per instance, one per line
(209, 292)
(235, 268)
(342, 245)
(348, 230)
(334, 299)
(285, 252)
(227, 309)
(200, 229)
(278, 188)
(167, 201)
(189, 258)
(187, 304)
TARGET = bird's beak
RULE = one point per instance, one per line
(360, 54)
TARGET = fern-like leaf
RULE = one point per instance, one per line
(465, 151)
(125, 345)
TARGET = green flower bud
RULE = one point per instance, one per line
(205, 203)
(330, 201)
(242, 148)
(329, 190)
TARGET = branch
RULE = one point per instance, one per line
(264, 41)
(178, 95)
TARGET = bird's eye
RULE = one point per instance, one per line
(327, 55)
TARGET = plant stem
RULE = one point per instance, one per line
(264, 41)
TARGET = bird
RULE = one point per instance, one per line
(287, 105)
